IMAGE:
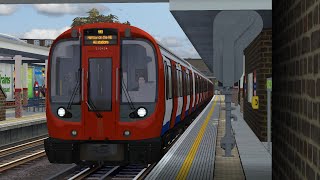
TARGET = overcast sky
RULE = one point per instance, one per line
(50, 20)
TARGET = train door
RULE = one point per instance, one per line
(175, 93)
(179, 95)
(201, 88)
(100, 68)
(184, 93)
(191, 92)
(169, 96)
(197, 90)
(187, 83)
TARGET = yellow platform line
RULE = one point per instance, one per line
(192, 152)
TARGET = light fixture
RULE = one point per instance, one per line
(74, 133)
(142, 112)
(126, 133)
(61, 112)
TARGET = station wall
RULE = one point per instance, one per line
(258, 65)
(7, 79)
(296, 90)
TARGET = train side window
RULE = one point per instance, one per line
(178, 85)
(168, 82)
(174, 80)
(191, 83)
(196, 79)
(184, 83)
(195, 84)
(188, 84)
(181, 84)
(198, 84)
(166, 78)
(201, 85)
(185, 86)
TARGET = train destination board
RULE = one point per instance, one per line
(100, 37)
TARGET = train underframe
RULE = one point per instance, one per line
(145, 151)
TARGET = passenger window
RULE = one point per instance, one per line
(168, 81)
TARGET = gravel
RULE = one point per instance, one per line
(34, 170)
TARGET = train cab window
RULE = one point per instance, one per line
(100, 83)
(138, 78)
(65, 72)
(139, 72)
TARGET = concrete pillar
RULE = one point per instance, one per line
(25, 84)
(18, 86)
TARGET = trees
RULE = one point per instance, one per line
(94, 17)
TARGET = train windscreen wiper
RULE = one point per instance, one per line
(93, 107)
(75, 89)
(124, 88)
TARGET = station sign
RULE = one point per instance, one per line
(269, 84)
(6, 79)
(104, 36)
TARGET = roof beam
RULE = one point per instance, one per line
(11, 48)
(78, 1)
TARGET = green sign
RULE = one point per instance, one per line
(4, 80)
(30, 83)
(269, 84)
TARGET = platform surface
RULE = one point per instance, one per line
(226, 168)
(256, 160)
(193, 155)
(27, 119)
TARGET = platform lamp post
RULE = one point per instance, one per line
(269, 91)
(17, 82)
(242, 28)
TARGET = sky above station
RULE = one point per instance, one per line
(47, 21)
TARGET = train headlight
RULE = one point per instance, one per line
(126, 133)
(142, 112)
(74, 132)
(61, 112)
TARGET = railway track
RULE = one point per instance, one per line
(104, 172)
(100, 172)
(11, 157)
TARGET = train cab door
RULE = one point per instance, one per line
(101, 81)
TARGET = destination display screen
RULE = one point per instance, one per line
(104, 36)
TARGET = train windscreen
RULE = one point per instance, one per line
(65, 72)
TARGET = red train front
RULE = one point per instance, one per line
(106, 96)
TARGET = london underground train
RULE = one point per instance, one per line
(115, 95)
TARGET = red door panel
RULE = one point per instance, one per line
(99, 64)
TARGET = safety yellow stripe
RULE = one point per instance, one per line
(192, 152)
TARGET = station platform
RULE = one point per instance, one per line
(30, 125)
(28, 118)
(197, 153)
